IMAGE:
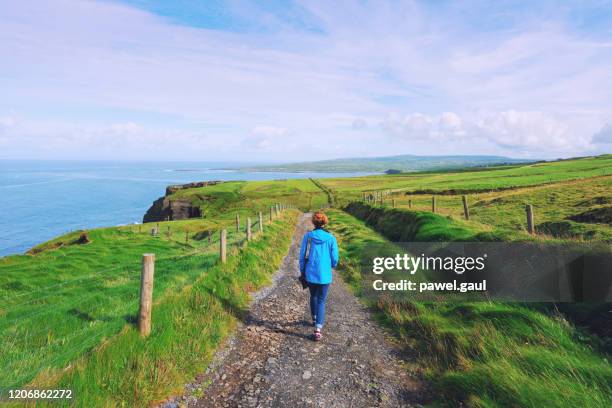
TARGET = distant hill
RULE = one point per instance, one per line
(403, 163)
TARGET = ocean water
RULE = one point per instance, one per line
(43, 199)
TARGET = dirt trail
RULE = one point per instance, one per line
(272, 362)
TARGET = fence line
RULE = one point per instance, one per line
(234, 239)
(374, 197)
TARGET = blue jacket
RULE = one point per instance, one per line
(323, 256)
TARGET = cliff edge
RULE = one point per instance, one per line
(170, 208)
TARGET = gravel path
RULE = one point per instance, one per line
(272, 361)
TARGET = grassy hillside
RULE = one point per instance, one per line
(564, 209)
(406, 162)
(225, 199)
(483, 354)
(65, 298)
(474, 181)
(571, 199)
(188, 326)
(67, 308)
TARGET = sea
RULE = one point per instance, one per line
(40, 200)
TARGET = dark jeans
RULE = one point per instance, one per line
(318, 295)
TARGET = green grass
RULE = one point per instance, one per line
(423, 226)
(225, 199)
(497, 196)
(553, 205)
(67, 310)
(558, 191)
(63, 298)
(477, 180)
(484, 354)
(188, 326)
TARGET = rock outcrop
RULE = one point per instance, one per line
(169, 208)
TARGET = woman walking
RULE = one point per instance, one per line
(318, 255)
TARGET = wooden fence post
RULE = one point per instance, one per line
(530, 225)
(260, 222)
(393, 202)
(223, 246)
(248, 229)
(146, 294)
(433, 204)
(237, 222)
(466, 208)
(409, 203)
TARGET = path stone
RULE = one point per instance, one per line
(273, 362)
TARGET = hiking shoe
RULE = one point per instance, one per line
(317, 335)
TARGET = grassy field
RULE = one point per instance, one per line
(468, 181)
(555, 207)
(483, 354)
(67, 310)
(571, 199)
(225, 199)
(188, 326)
(64, 298)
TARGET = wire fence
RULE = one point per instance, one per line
(389, 198)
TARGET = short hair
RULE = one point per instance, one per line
(319, 219)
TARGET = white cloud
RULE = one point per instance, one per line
(270, 131)
(604, 136)
(7, 122)
(447, 126)
(531, 88)
(264, 136)
(511, 130)
(359, 124)
(125, 128)
(118, 140)
(528, 130)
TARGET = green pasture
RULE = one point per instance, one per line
(483, 354)
(64, 297)
(475, 180)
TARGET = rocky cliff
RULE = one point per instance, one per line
(169, 208)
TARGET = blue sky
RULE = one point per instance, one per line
(288, 81)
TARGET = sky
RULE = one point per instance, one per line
(286, 81)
